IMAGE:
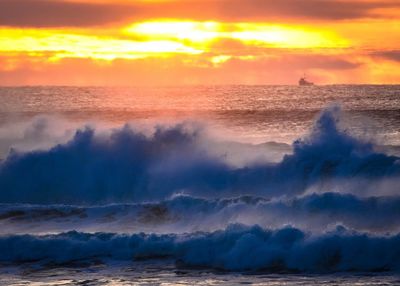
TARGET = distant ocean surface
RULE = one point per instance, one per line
(200, 185)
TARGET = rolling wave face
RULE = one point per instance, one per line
(128, 166)
(237, 248)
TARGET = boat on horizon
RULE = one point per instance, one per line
(304, 82)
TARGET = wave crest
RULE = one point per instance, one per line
(129, 166)
(237, 248)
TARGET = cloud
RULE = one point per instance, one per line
(323, 62)
(282, 60)
(48, 13)
(273, 67)
(313, 9)
(393, 55)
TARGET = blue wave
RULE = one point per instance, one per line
(316, 212)
(237, 248)
(128, 166)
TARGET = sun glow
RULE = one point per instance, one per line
(287, 37)
(161, 38)
(249, 33)
(60, 44)
(185, 30)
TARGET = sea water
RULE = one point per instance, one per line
(208, 185)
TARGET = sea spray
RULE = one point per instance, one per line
(127, 166)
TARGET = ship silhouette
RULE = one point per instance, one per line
(304, 82)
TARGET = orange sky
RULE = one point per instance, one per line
(171, 42)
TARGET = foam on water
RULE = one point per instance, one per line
(183, 213)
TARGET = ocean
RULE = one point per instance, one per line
(200, 185)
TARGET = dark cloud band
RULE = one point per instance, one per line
(58, 13)
(48, 13)
(393, 55)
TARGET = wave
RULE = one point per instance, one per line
(180, 214)
(237, 248)
(126, 165)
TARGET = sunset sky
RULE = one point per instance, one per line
(173, 42)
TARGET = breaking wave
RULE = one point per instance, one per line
(315, 212)
(236, 248)
(126, 165)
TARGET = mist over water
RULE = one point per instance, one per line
(253, 179)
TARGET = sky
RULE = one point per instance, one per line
(185, 42)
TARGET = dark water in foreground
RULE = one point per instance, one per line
(265, 185)
(169, 276)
